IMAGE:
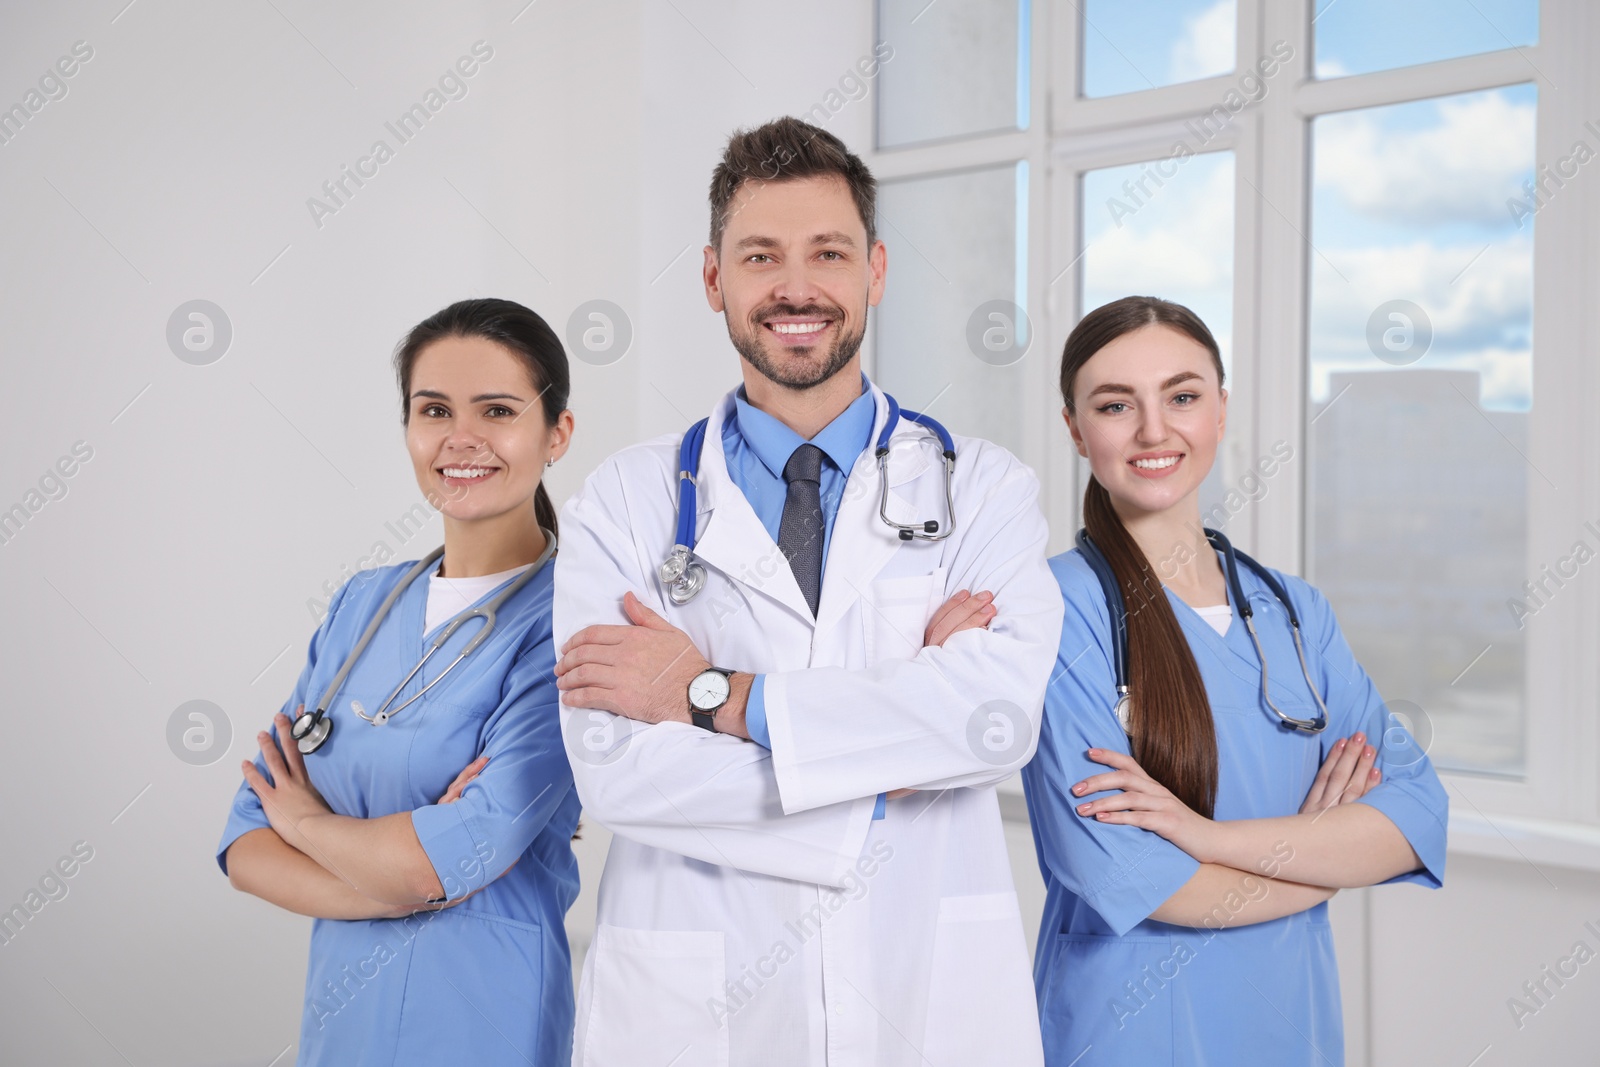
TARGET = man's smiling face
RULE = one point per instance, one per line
(794, 278)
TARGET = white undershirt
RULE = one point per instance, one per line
(449, 597)
(1218, 615)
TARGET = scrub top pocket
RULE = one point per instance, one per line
(1112, 994)
(467, 968)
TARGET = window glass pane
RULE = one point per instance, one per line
(1360, 36)
(1421, 381)
(951, 69)
(1129, 45)
(1165, 228)
(951, 333)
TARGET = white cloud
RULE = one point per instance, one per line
(1471, 312)
(1206, 47)
(1460, 169)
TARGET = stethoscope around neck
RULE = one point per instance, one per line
(684, 577)
(1231, 560)
(312, 728)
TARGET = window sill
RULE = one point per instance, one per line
(1550, 842)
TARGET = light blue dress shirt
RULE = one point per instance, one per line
(758, 447)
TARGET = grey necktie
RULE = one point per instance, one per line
(801, 530)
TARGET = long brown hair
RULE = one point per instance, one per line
(516, 328)
(1173, 735)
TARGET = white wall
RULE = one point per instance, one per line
(179, 564)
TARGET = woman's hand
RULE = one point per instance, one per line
(1346, 775)
(1143, 802)
(290, 796)
(468, 773)
(963, 611)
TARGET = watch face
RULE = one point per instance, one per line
(709, 690)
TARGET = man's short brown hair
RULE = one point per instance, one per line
(788, 149)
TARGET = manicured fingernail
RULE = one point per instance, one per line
(1340, 744)
(1374, 772)
(1371, 752)
(1078, 789)
(1083, 809)
(1359, 738)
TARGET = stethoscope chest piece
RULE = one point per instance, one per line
(1124, 714)
(309, 731)
(682, 576)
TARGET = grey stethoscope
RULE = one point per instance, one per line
(1231, 559)
(312, 728)
(683, 577)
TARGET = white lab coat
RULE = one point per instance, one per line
(751, 910)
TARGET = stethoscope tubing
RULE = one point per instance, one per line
(684, 577)
(1231, 559)
(306, 726)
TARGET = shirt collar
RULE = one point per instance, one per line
(842, 440)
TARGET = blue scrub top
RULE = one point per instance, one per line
(488, 981)
(1135, 991)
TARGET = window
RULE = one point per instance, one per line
(919, 100)
(1380, 210)
(960, 272)
(1129, 45)
(1420, 385)
(1362, 36)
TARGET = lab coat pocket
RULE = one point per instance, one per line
(980, 981)
(896, 613)
(473, 991)
(1112, 993)
(653, 997)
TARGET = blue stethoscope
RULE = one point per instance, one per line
(1231, 559)
(312, 728)
(684, 577)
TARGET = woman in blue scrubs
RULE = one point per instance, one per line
(1189, 860)
(439, 898)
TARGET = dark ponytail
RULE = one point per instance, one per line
(1173, 735)
(517, 329)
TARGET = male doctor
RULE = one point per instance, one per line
(799, 764)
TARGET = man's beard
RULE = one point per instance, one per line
(804, 375)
